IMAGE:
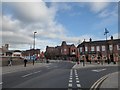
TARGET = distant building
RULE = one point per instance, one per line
(4, 49)
(31, 52)
(106, 50)
(64, 52)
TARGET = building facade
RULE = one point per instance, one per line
(31, 52)
(63, 52)
(103, 50)
(4, 49)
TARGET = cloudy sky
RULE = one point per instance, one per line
(56, 21)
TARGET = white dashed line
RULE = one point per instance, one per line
(1, 83)
(70, 85)
(77, 81)
(70, 81)
(77, 78)
(30, 74)
(78, 85)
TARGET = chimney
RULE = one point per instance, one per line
(111, 37)
(90, 39)
(7, 46)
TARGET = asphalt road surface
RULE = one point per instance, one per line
(56, 75)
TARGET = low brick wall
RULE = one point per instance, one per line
(15, 61)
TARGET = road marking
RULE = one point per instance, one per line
(30, 74)
(78, 85)
(98, 70)
(77, 78)
(70, 78)
(70, 81)
(1, 83)
(97, 83)
(70, 85)
(77, 81)
(37, 72)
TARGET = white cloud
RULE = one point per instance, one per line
(32, 11)
(98, 6)
(18, 26)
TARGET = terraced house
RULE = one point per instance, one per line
(104, 49)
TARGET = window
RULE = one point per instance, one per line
(110, 47)
(92, 48)
(86, 48)
(80, 49)
(103, 48)
(98, 48)
(65, 50)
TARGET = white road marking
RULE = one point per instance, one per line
(99, 70)
(37, 72)
(30, 74)
(77, 81)
(77, 78)
(1, 83)
(78, 85)
(70, 81)
(70, 78)
(70, 85)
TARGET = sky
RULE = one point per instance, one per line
(55, 22)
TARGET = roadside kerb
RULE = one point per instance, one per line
(79, 66)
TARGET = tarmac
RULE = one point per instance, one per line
(111, 81)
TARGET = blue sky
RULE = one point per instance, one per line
(56, 21)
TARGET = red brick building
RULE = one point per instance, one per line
(64, 52)
(31, 52)
(105, 50)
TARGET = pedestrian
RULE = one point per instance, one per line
(10, 62)
(25, 62)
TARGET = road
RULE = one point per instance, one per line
(56, 75)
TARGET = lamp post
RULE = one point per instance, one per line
(34, 40)
(34, 48)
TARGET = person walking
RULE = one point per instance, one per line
(25, 62)
(10, 62)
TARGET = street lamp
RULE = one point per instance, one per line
(34, 48)
(34, 40)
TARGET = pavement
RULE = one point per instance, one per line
(110, 82)
(16, 68)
